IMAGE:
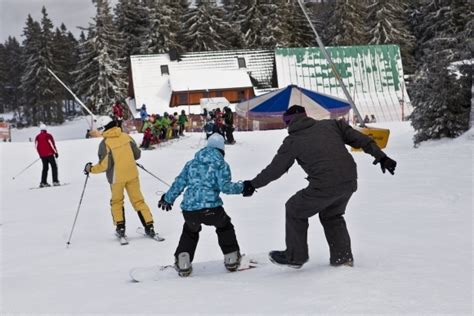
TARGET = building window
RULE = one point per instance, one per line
(241, 62)
(164, 70)
(218, 93)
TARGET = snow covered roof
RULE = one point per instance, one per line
(155, 76)
(207, 79)
(372, 74)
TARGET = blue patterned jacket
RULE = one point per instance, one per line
(204, 178)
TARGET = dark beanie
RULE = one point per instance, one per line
(292, 112)
(110, 125)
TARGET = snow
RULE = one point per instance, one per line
(411, 235)
(209, 79)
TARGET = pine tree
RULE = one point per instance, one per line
(347, 24)
(30, 58)
(297, 26)
(132, 24)
(3, 79)
(65, 54)
(41, 91)
(205, 28)
(443, 110)
(388, 24)
(437, 94)
(263, 25)
(100, 76)
(11, 69)
(163, 27)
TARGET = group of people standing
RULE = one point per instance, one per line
(217, 122)
(157, 128)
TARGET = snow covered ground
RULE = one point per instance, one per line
(411, 234)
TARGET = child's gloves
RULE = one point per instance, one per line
(164, 205)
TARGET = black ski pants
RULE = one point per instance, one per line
(216, 217)
(50, 160)
(229, 129)
(331, 204)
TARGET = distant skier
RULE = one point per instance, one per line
(117, 155)
(204, 177)
(117, 111)
(319, 147)
(46, 148)
(229, 125)
(182, 120)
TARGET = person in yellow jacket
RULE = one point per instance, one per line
(117, 155)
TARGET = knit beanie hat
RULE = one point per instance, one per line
(292, 112)
(42, 127)
(216, 140)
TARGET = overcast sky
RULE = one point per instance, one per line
(72, 13)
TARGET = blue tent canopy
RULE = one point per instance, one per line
(274, 103)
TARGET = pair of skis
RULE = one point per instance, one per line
(158, 272)
(140, 230)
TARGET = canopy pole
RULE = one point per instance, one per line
(333, 67)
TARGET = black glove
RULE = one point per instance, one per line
(386, 163)
(164, 205)
(87, 168)
(56, 155)
(248, 188)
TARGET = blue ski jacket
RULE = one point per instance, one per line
(204, 177)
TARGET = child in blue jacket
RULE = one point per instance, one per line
(204, 177)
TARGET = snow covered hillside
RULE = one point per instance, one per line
(411, 234)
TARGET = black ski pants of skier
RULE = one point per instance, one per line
(216, 217)
(331, 204)
(229, 129)
(50, 160)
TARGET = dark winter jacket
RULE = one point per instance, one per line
(319, 148)
(45, 144)
(204, 178)
(229, 118)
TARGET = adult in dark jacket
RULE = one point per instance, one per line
(319, 148)
(229, 125)
(46, 148)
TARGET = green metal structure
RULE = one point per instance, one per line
(372, 74)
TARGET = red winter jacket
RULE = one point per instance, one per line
(45, 144)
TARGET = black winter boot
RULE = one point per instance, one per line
(150, 230)
(120, 229)
(279, 257)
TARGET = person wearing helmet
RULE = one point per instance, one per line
(117, 155)
(204, 177)
(46, 148)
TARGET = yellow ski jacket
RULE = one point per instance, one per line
(117, 155)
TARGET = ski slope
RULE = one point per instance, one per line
(411, 234)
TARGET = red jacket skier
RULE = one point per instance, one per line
(46, 148)
(117, 111)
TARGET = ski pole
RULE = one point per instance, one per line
(31, 164)
(140, 166)
(77, 212)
